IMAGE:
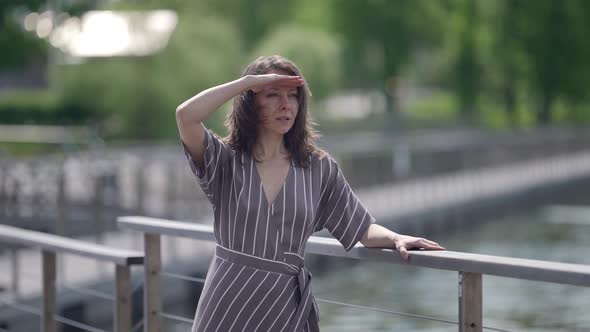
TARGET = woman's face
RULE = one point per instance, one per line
(277, 107)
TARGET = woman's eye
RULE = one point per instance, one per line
(271, 95)
(293, 95)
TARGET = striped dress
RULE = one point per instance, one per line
(257, 280)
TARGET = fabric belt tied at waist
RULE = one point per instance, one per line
(293, 266)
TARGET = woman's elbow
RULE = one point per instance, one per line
(180, 110)
(182, 115)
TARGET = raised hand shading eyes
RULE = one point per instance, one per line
(259, 83)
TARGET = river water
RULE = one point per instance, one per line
(554, 233)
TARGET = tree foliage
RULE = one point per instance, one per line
(515, 54)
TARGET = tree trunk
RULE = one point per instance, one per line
(544, 113)
(392, 112)
(510, 104)
(390, 106)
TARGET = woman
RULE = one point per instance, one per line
(270, 188)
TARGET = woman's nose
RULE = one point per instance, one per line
(284, 101)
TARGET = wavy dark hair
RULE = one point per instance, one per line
(242, 122)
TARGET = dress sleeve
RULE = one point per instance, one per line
(209, 174)
(340, 211)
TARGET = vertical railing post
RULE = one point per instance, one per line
(122, 322)
(98, 208)
(470, 302)
(140, 191)
(151, 295)
(48, 315)
(16, 199)
(15, 266)
(61, 201)
(172, 195)
(36, 196)
(3, 193)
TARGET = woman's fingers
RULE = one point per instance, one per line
(424, 243)
(274, 80)
(403, 252)
(432, 245)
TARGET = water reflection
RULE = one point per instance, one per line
(510, 304)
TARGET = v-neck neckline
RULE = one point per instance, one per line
(284, 184)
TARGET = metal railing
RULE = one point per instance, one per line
(50, 245)
(470, 267)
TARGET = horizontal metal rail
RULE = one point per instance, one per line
(54, 243)
(470, 267)
(518, 268)
(50, 245)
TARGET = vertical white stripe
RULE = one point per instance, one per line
(276, 248)
(245, 304)
(233, 236)
(254, 240)
(303, 227)
(245, 229)
(222, 198)
(335, 183)
(321, 174)
(234, 172)
(333, 187)
(327, 178)
(310, 227)
(266, 233)
(232, 188)
(282, 225)
(237, 277)
(262, 301)
(311, 190)
(214, 167)
(294, 211)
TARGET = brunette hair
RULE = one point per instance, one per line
(242, 122)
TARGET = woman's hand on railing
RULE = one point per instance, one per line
(378, 236)
(403, 243)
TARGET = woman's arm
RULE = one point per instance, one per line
(378, 236)
(192, 112)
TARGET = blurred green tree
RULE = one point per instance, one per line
(379, 39)
(465, 67)
(552, 39)
(253, 18)
(505, 60)
(23, 46)
(136, 97)
(317, 54)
